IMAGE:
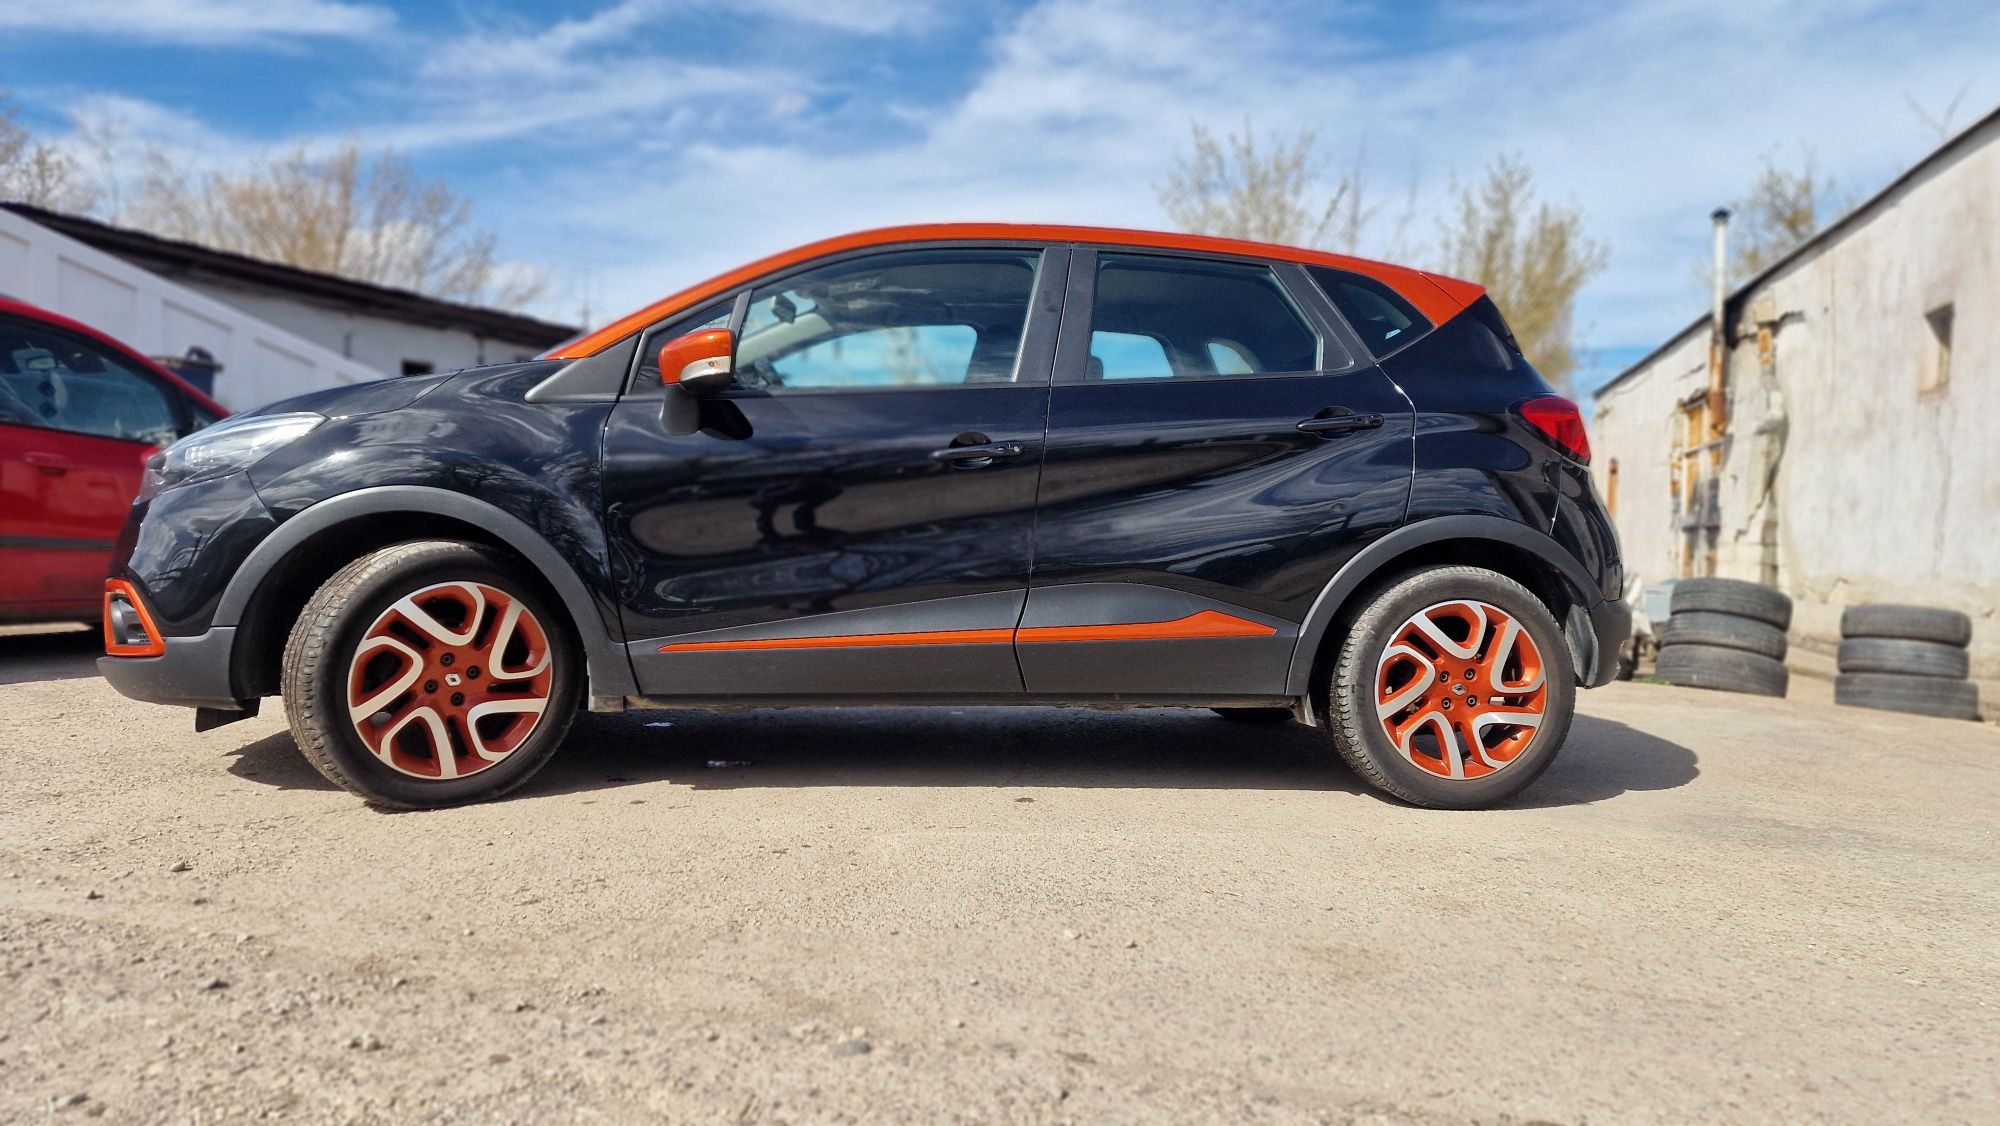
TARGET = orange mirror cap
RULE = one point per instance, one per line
(706, 346)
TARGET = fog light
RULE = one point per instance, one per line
(128, 628)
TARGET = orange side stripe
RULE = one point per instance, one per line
(1206, 624)
(940, 637)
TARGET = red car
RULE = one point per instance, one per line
(79, 415)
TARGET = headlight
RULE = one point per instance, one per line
(225, 447)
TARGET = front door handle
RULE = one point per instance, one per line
(54, 465)
(1340, 420)
(976, 451)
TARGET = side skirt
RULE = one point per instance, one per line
(1012, 700)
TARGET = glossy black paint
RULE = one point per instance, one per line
(182, 547)
(786, 506)
(799, 512)
(1475, 455)
(468, 433)
(1209, 488)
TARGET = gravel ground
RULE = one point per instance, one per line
(1713, 908)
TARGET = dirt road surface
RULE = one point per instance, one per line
(1713, 908)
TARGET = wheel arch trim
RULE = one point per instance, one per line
(1372, 561)
(609, 669)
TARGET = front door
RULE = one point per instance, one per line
(854, 516)
(1216, 451)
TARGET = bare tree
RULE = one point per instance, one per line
(35, 172)
(1235, 187)
(367, 216)
(1532, 257)
(1939, 124)
(1784, 208)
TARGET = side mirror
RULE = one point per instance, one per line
(700, 363)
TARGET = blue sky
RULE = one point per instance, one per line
(635, 146)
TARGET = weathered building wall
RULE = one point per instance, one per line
(383, 343)
(1886, 484)
(261, 361)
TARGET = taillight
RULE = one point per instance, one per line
(1558, 420)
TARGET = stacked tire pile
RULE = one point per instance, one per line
(1906, 659)
(1727, 635)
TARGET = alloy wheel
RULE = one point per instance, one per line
(450, 680)
(1461, 689)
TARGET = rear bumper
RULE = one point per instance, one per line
(192, 672)
(1596, 641)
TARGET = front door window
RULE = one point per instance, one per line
(925, 318)
(57, 381)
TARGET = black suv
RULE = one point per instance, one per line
(964, 464)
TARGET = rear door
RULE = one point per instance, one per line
(1218, 447)
(77, 423)
(854, 517)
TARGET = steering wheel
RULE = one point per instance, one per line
(759, 375)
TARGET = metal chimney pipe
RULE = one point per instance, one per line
(1718, 342)
(1720, 218)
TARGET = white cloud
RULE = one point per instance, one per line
(1646, 114)
(205, 22)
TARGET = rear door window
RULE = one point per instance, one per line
(1161, 317)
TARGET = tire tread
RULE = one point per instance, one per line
(1733, 596)
(1722, 670)
(1907, 623)
(1727, 631)
(1914, 695)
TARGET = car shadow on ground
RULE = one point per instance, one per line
(62, 653)
(997, 747)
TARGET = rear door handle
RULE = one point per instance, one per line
(981, 453)
(55, 465)
(1340, 420)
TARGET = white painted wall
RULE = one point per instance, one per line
(381, 343)
(1886, 491)
(261, 361)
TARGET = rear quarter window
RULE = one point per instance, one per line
(1381, 317)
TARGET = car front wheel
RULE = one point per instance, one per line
(429, 674)
(1453, 689)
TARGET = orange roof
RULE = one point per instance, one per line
(1440, 298)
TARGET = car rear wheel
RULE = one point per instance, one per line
(429, 674)
(1453, 689)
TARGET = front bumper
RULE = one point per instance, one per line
(192, 672)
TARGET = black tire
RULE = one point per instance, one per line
(1724, 670)
(1263, 717)
(1899, 657)
(319, 658)
(1704, 627)
(1733, 596)
(1357, 729)
(1917, 695)
(1909, 623)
